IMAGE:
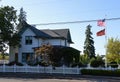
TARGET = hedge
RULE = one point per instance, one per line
(100, 72)
(14, 62)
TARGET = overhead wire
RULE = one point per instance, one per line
(72, 22)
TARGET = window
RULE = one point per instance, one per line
(28, 40)
(27, 57)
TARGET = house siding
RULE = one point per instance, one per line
(56, 42)
(36, 42)
(12, 51)
(27, 48)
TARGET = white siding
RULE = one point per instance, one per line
(12, 52)
(56, 42)
(27, 48)
(24, 47)
(36, 43)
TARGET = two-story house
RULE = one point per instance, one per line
(32, 37)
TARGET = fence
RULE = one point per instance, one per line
(49, 69)
(40, 69)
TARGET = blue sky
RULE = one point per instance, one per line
(44, 11)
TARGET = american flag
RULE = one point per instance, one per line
(101, 23)
(101, 33)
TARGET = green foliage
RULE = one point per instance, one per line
(58, 55)
(113, 64)
(113, 58)
(22, 15)
(21, 19)
(113, 50)
(96, 62)
(100, 72)
(44, 51)
(64, 55)
(8, 33)
(6, 57)
(15, 63)
(78, 64)
(70, 55)
(89, 48)
(41, 63)
(113, 46)
(84, 59)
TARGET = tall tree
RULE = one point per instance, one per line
(8, 33)
(89, 48)
(21, 19)
(113, 50)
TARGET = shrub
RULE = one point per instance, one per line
(113, 65)
(74, 65)
(81, 64)
(56, 64)
(70, 55)
(14, 62)
(100, 72)
(96, 63)
(42, 63)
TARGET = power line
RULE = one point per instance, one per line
(73, 22)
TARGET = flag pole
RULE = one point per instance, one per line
(101, 23)
(105, 49)
(105, 43)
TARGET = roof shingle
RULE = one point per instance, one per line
(47, 33)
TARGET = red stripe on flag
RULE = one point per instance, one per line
(100, 33)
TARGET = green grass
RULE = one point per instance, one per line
(6, 57)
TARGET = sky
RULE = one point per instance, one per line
(51, 11)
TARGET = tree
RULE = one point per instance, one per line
(58, 55)
(89, 48)
(84, 59)
(44, 51)
(113, 50)
(96, 62)
(70, 55)
(21, 19)
(8, 33)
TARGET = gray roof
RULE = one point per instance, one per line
(48, 33)
(35, 30)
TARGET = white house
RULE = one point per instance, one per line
(32, 37)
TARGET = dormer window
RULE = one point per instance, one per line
(28, 40)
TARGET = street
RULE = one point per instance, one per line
(36, 77)
(55, 80)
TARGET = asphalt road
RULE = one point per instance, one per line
(55, 80)
(32, 77)
(42, 80)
